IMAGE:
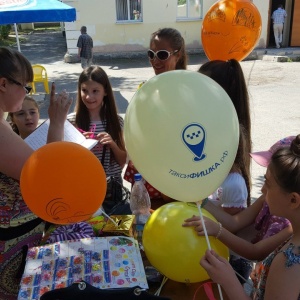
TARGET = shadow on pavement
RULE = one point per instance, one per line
(44, 47)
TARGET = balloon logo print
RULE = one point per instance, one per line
(193, 136)
(56, 189)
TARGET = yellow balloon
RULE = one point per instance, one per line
(173, 250)
(181, 132)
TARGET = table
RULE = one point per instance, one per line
(179, 291)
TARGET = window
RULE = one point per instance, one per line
(189, 9)
(129, 10)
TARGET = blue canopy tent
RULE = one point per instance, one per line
(31, 11)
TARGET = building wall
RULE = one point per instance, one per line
(110, 36)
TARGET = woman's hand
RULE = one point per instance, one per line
(59, 106)
(212, 227)
(57, 111)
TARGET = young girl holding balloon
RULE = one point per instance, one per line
(278, 276)
(96, 116)
(234, 193)
(19, 227)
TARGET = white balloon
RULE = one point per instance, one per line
(182, 132)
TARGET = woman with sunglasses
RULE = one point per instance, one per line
(166, 53)
(19, 227)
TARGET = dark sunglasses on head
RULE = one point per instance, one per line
(26, 87)
(160, 54)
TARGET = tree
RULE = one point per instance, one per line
(4, 31)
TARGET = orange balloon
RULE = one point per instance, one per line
(173, 250)
(230, 29)
(63, 182)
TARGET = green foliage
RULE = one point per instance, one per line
(4, 31)
(10, 41)
(181, 2)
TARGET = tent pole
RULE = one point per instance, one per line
(17, 37)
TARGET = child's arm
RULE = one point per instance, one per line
(242, 247)
(220, 271)
(236, 222)
(119, 154)
(283, 282)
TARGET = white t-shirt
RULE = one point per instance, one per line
(232, 192)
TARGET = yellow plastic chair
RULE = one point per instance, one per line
(40, 75)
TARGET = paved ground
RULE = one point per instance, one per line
(274, 87)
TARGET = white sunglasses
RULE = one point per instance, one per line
(160, 54)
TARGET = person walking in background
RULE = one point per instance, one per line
(85, 48)
(278, 17)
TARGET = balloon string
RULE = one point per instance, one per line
(165, 279)
(207, 240)
(203, 224)
(116, 224)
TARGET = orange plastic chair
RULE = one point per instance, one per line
(40, 75)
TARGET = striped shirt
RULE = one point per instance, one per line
(278, 16)
(110, 165)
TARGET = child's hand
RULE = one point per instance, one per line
(89, 135)
(212, 227)
(105, 139)
(217, 267)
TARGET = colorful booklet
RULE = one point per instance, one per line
(104, 262)
(38, 138)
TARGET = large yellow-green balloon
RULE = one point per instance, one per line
(173, 250)
(181, 132)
